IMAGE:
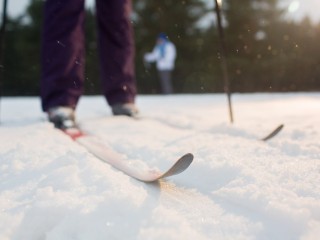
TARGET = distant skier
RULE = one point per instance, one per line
(164, 54)
(63, 58)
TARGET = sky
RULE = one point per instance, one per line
(296, 9)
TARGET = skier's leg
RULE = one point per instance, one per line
(116, 49)
(62, 53)
(165, 81)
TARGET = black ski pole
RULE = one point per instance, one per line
(224, 65)
(2, 33)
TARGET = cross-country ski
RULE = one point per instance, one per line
(117, 160)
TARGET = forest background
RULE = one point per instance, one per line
(266, 52)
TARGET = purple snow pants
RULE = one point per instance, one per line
(63, 52)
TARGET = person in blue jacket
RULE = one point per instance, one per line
(164, 54)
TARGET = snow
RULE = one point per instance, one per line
(237, 187)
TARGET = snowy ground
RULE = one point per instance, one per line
(237, 187)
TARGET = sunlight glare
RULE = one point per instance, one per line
(294, 6)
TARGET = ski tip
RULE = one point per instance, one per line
(273, 133)
(181, 165)
(189, 157)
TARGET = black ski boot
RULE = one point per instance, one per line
(127, 109)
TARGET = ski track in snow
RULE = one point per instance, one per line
(237, 187)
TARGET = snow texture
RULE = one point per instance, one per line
(237, 187)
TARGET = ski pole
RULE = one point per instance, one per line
(2, 33)
(224, 65)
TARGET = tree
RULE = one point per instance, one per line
(22, 53)
(249, 39)
(265, 51)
